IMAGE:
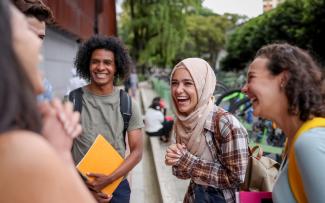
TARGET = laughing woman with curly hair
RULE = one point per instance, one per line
(285, 85)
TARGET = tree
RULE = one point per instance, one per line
(206, 33)
(314, 29)
(155, 31)
(298, 22)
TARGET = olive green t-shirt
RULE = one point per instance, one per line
(101, 115)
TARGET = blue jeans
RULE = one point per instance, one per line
(122, 193)
(204, 194)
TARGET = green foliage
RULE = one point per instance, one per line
(299, 22)
(161, 33)
(205, 36)
(142, 77)
(314, 30)
(155, 31)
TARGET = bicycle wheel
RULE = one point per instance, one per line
(242, 109)
(220, 89)
(241, 106)
(227, 99)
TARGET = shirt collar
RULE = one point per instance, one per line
(210, 120)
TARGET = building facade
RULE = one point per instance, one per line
(270, 4)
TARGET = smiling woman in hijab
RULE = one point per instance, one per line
(211, 144)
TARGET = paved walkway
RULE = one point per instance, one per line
(143, 178)
(152, 181)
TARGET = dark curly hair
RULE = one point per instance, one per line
(155, 104)
(35, 8)
(122, 58)
(305, 87)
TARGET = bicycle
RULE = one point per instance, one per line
(261, 131)
(229, 98)
(220, 89)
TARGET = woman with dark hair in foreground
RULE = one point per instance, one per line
(33, 168)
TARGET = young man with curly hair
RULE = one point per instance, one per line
(37, 15)
(102, 61)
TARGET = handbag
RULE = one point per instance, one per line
(261, 172)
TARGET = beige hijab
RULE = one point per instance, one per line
(189, 129)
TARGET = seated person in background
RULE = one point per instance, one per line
(155, 122)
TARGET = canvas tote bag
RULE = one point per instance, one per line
(261, 171)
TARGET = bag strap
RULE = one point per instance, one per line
(217, 133)
(252, 150)
(220, 112)
(126, 110)
(295, 180)
(75, 97)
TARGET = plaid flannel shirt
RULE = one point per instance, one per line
(230, 154)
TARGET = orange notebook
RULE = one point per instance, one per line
(101, 158)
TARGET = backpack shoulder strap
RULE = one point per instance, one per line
(75, 97)
(220, 112)
(126, 109)
(295, 180)
(217, 133)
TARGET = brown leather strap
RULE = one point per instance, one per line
(259, 153)
(220, 112)
(217, 133)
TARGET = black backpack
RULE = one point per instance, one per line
(75, 97)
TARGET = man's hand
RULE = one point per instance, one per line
(101, 197)
(99, 181)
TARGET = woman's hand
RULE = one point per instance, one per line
(60, 126)
(173, 153)
(68, 118)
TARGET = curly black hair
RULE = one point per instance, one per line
(155, 104)
(122, 58)
(305, 88)
(35, 8)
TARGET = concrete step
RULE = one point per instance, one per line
(143, 178)
(144, 181)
